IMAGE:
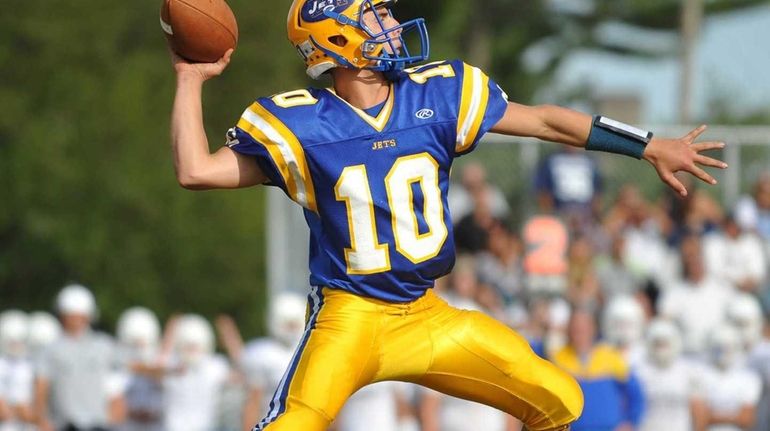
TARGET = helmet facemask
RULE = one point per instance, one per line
(388, 47)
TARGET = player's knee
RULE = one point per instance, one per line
(571, 397)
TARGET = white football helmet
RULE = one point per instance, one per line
(139, 331)
(14, 330)
(623, 321)
(745, 313)
(44, 329)
(76, 299)
(664, 342)
(286, 318)
(725, 346)
(193, 339)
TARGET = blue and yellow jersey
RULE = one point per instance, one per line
(613, 394)
(374, 185)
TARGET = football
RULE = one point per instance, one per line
(201, 31)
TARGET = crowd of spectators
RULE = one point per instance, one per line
(658, 308)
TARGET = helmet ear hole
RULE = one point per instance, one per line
(338, 40)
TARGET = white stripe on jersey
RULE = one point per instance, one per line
(476, 92)
(288, 155)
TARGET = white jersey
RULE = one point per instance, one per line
(191, 395)
(668, 393)
(16, 388)
(16, 381)
(373, 408)
(735, 259)
(698, 308)
(727, 392)
(460, 415)
(264, 362)
(759, 361)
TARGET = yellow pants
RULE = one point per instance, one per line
(351, 341)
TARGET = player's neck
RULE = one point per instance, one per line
(361, 88)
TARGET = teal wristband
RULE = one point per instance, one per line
(612, 136)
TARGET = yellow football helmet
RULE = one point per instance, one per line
(332, 33)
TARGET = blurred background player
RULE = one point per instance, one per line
(44, 329)
(670, 382)
(16, 372)
(744, 314)
(731, 389)
(439, 412)
(623, 323)
(194, 376)
(138, 332)
(372, 408)
(71, 385)
(264, 360)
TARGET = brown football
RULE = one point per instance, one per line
(201, 31)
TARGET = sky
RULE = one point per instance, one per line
(733, 66)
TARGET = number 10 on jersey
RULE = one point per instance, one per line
(366, 254)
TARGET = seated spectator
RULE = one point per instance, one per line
(568, 183)
(698, 213)
(736, 256)
(731, 390)
(472, 231)
(546, 325)
(642, 229)
(697, 302)
(546, 241)
(614, 277)
(474, 180)
(582, 281)
(613, 396)
(753, 212)
(500, 265)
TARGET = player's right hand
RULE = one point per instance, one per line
(204, 71)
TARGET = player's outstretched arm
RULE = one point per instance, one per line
(667, 156)
(196, 167)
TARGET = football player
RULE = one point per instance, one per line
(368, 160)
(138, 331)
(16, 383)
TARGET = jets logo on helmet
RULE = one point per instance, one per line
(313, 10)
(335, 33)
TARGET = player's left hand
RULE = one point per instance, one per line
(669, 156)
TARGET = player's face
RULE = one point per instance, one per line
(75, 323)
(388, 21)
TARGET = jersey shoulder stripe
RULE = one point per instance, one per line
(473, 105)
(285, 150)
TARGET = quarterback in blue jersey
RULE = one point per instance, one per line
(369, 160)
